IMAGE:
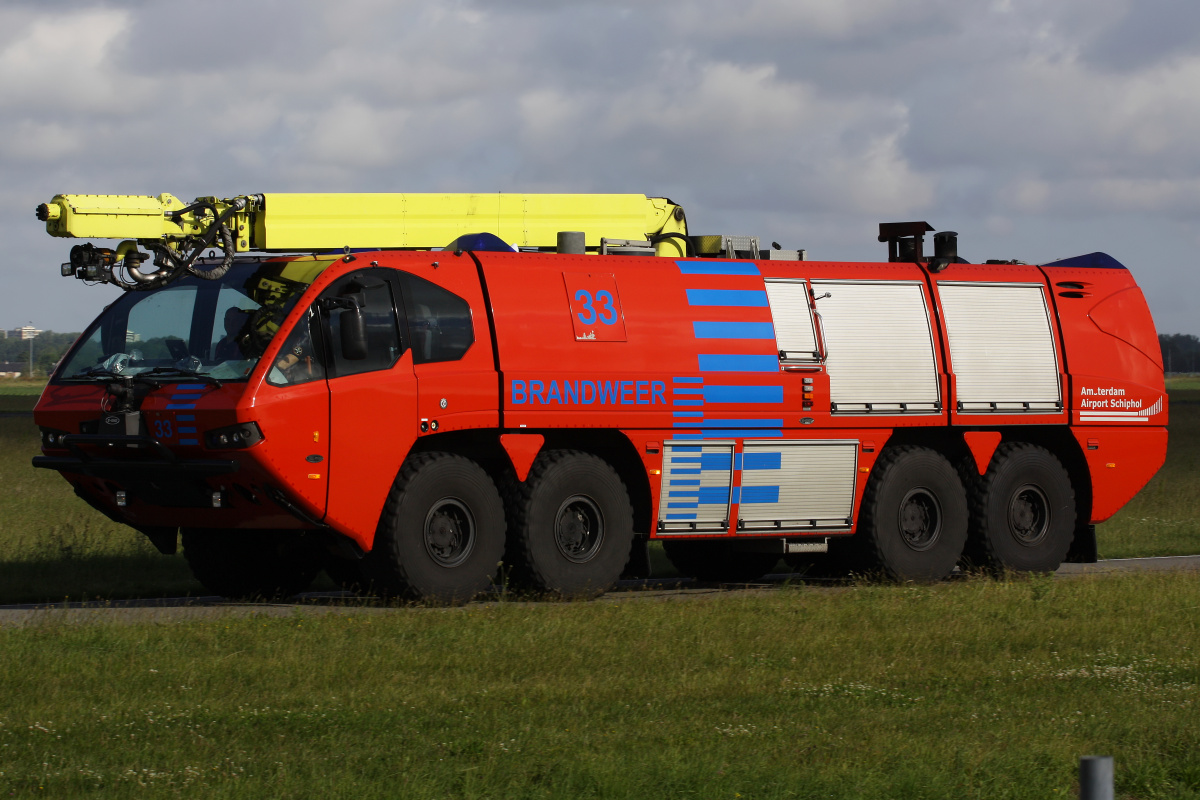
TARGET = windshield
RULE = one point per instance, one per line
(214, 328)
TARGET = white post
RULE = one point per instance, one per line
(1096, 778)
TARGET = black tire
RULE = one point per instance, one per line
(248, 564)
(717, 561)
(441, 536)
(914, 515)
(1022, 511)
(572, 526)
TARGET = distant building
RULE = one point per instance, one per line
(11, 369)
(23, 333)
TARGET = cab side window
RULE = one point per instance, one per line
(439, 321)
(299, 360)
(373, 295)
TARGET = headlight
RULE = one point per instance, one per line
(234, 437)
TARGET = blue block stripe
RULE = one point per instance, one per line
(760, 494)
(734, 330)
(186, 396)
(687, 414)
(185, 430)
(175, 406)
(712, 267)
(730, 423)
(189, 387)
(726, 433)
(741, 298)
(185, 417)
(683, 505)
(688, 391)
(686, 448)
(685, 471)
(743, 394)
(687, 380)
(762, 461)
(684, 483)
(733, 362)
(189, 441)
(681, 516)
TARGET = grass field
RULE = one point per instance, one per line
(53, 546)
(970, 689)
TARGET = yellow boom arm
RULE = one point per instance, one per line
(306, 222)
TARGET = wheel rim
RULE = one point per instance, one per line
(449, 532)
(1029, 515)
(579, 529)
(920, 519)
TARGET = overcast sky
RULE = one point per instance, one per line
(1036, 129)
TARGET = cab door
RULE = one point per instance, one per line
(372, 399)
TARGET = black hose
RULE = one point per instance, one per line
(688, 248)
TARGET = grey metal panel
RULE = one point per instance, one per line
(696, 485)
(792, 315)
(879, 346)
(797, 485)
(1001, 346)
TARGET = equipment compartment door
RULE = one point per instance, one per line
(696, 487)
(797, 486)
(1001, 347)
(880, 357)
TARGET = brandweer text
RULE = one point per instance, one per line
(586, 393)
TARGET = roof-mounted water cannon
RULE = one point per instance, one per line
(175, 233)
(906, 241)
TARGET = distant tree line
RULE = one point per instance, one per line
(48, 348)
(1180, 352)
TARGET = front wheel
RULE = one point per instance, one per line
(441, 535)
(914, 517)
(1022, 511)
(572, 525)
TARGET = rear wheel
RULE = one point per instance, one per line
(1022, 511)
(244, 564)
(572, 525)
(914, 517)
(718, 561)
(441, 535)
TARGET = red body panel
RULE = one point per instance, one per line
(624, 344)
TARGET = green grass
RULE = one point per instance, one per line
(973, 689)
(1183, 381)
(1164, 518)
(21, 388)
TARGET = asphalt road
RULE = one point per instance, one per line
(182, 609)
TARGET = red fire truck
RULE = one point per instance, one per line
(540, 404)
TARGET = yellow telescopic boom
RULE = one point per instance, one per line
(306, 222)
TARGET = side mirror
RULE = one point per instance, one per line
(353, 329)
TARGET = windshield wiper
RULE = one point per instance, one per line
(149, 375)
(94, 373)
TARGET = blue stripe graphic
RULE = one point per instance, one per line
(687, 380)
(688, 390)
(762, 461)
(688, 414)
(185, 430)
(760, 494)
(742, 298)
(686, 448)
(733, 362)
(683, 505)
(730, 423)
(711, 267)
(735, 433)
(734, 330)
(186, 396)
(189, 441)
(684, 483)
(686, 471)
(711, 461)
(681, 516)
(743, 394)
(175, 406)
(188, 387)
(185, 418)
